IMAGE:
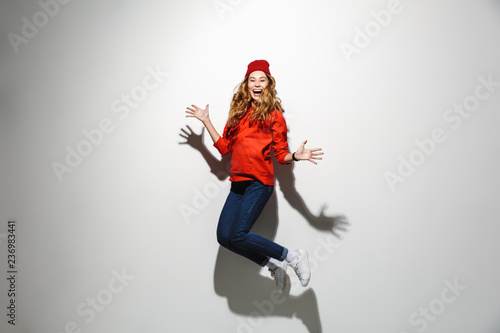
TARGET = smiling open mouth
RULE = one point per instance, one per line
(257, 92)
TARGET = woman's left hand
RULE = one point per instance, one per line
(308, 154)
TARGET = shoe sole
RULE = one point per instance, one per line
(307, 258)
(284, 281)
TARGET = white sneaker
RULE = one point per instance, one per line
(301, 267)
(279, 275)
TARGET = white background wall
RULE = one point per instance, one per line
(144, 207)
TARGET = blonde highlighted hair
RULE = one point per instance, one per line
(262, 108)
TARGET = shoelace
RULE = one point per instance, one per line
(274, 275)
(297, 269)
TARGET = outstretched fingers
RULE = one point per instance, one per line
(316, 151)
(196, 112)
(191, 110)
(315, 155)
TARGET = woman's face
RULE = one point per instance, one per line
(257, 82)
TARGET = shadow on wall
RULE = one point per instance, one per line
(248, 293)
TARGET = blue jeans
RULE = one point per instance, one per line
(237, 218)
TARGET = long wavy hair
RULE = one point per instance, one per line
(262, 108)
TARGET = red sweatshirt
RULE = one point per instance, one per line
(250, 145)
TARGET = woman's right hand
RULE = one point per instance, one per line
(196, 112)
(202, 115)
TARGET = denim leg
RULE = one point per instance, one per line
(237, 218)
(226, 219)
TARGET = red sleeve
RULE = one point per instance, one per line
(223, 145)
(279, 130)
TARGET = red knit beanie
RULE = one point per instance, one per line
(258, 65)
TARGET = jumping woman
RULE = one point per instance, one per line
(255, 126)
